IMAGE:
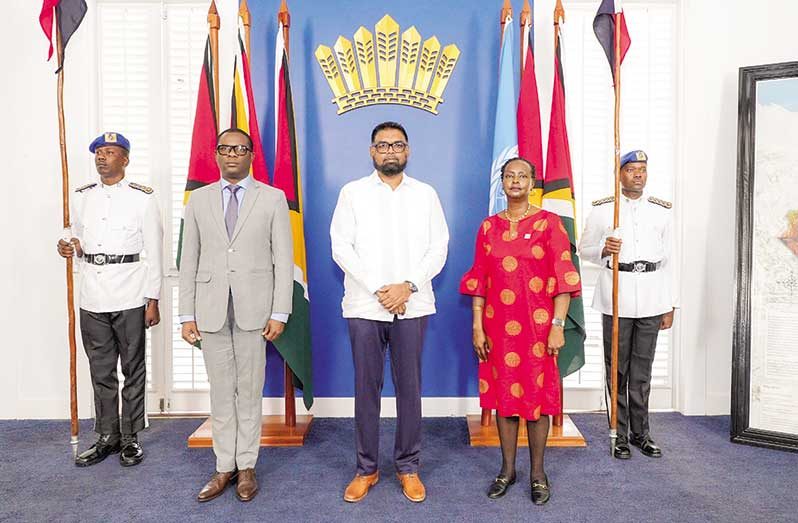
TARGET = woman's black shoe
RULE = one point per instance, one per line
(499, 487)
(540, 491)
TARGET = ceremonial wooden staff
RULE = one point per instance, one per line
(615, 225)
(73, 378)
(214, 23)
(284, 17)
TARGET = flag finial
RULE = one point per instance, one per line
(559, 13)
(526, 14)
(283, 16)
(507, 11)
(213, 16)
(243, 13)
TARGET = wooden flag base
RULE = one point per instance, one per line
(273, 432)
(565, 436)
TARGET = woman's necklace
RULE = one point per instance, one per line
(511, 220)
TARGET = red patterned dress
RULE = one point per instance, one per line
(519, 276)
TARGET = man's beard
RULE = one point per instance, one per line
(390, 169)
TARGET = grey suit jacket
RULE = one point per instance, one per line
(256, 265)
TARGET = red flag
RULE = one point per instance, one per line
(67, 13)
(604, 28)
(530, 141)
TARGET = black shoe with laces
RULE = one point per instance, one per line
(132, 453)
(647, 446)
(105, 445)
(621, 450)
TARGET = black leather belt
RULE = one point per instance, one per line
(105, 259)
(637, 266)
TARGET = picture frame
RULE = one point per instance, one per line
(764, 408)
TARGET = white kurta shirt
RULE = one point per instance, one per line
(118, 219)
(382, 236)
(646, 230)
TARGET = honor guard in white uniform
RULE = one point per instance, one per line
(117, 240)
(647, 292)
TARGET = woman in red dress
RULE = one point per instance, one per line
(522, 281)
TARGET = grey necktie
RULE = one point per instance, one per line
(231, 215)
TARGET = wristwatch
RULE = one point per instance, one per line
(557, 322)
(413, 287)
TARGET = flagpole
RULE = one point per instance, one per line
(559, 16)
(615, 225)
(284, 18)
(526, 23)
(73, 379)
(506, 14)
(214, 22)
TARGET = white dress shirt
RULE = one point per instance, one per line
(118, 219)
(382, 236)
(646, 232)
(240, 194)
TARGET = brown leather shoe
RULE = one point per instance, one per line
(247, 485)
(216, 485)
(412, 487)
(359, 487)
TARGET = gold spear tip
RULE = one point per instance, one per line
(507, 10)
(526, 14)
(559, 13)
(213, 16)
(283, 16)
(243, 12)
(212, 9)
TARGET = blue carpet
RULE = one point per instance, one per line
(702, 477)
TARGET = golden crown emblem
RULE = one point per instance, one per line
(419, 82)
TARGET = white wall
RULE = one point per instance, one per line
(717, 37)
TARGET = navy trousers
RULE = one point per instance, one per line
(370, 341)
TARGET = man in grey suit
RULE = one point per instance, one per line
(236, 284)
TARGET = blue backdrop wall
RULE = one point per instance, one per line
(451, 151)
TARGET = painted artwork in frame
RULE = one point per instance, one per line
(765, 352)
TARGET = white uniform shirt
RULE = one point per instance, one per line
(646, 230)
(382, 236)
(118, 219)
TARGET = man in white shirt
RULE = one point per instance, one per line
(114, 221)
(389, 236)
(647, 293)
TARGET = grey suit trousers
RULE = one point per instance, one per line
(235, 360)
(637, 341)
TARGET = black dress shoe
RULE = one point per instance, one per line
(499, 486)
(106, 445)
(541, 491)
(621, 450)
(132, 453)
(647, 446)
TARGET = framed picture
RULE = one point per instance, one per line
(765, 353)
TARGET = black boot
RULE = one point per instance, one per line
(106, 445)
(132, 453)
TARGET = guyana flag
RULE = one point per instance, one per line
(294, 345)
(558, 197)
(202, 168)
(243, 115)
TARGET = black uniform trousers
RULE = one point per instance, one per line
(637, 341)
(108, 338)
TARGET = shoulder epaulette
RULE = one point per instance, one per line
(86, 187)
(602, 201)
(663, 203)
(142, 188)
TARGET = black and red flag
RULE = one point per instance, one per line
(202, 167)
(604, 26)
(68, 15)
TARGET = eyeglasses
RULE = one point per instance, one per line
(522, 177)
(237, 150)
(384, 147)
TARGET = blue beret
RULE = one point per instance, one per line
(634, 156)
(110, 139)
